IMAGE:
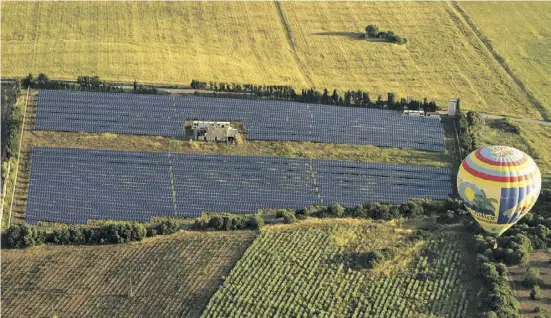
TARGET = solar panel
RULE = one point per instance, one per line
(164, 115)
(75, 185)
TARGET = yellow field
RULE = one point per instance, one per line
(296, 43)
(443, 58)
(169, 42)
(524, 41)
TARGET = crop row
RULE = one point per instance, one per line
(300, 273)
(167, 277)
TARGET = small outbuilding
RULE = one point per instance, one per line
(214, 131)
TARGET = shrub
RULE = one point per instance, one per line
(389, 252)
(255, 222)
(216, 222)
(167, 227)
(22, 236)
(448, 217)
(537, 308)
(532, 277)
(374, 258)
(76, 235)
(501, 269)
(335, 209)
(201, 223)
(306, 211)
(379, 212)
(535, 293)
(289, 217)
(151, 232)
(60, 236)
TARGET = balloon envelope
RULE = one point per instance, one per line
(498, 185)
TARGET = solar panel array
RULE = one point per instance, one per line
(74, 185)
(164, 115)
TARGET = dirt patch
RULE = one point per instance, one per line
(540, 260)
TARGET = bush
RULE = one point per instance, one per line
(448, 217)
(374, 258)
(335, 209)
(501, 269)
(289, 217)
(389, 252)
(216, 222)
(537, 308)
(60, 236)
(536, 293)
(23, 236)
(379, 212)
(306, 211)
(532, 277)
(255, 222)
(167, 227)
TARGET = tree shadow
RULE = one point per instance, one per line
(350, 35)
(351, 260)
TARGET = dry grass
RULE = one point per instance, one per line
(301, 44)
(250, 148)
(164, 42)
(162, 277)
(524, 42)
(533, 139)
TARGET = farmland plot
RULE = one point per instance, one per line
(443, 57)
(290, 43)
(161, 277)
(316, 269)
(524, 42)
(163, 42)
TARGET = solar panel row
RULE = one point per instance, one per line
(74, 185)
(264, 120)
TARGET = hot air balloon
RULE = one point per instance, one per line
(498, 185)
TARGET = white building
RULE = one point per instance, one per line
(452, 106)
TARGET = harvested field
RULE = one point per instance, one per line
(164, 276)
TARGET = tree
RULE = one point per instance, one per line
(366, 101)
(372, 30)
(358, 98)
(325, 97)
(335, 97)
(347, 98)
(379, 102)
(28, 80)
(391, 100)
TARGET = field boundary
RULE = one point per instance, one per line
(4, 191)
(484, 39)
(19, 153)
(289, 36)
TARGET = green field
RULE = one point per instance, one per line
(524, 42)
(318, 268)
(165, 276)
(297, 43)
